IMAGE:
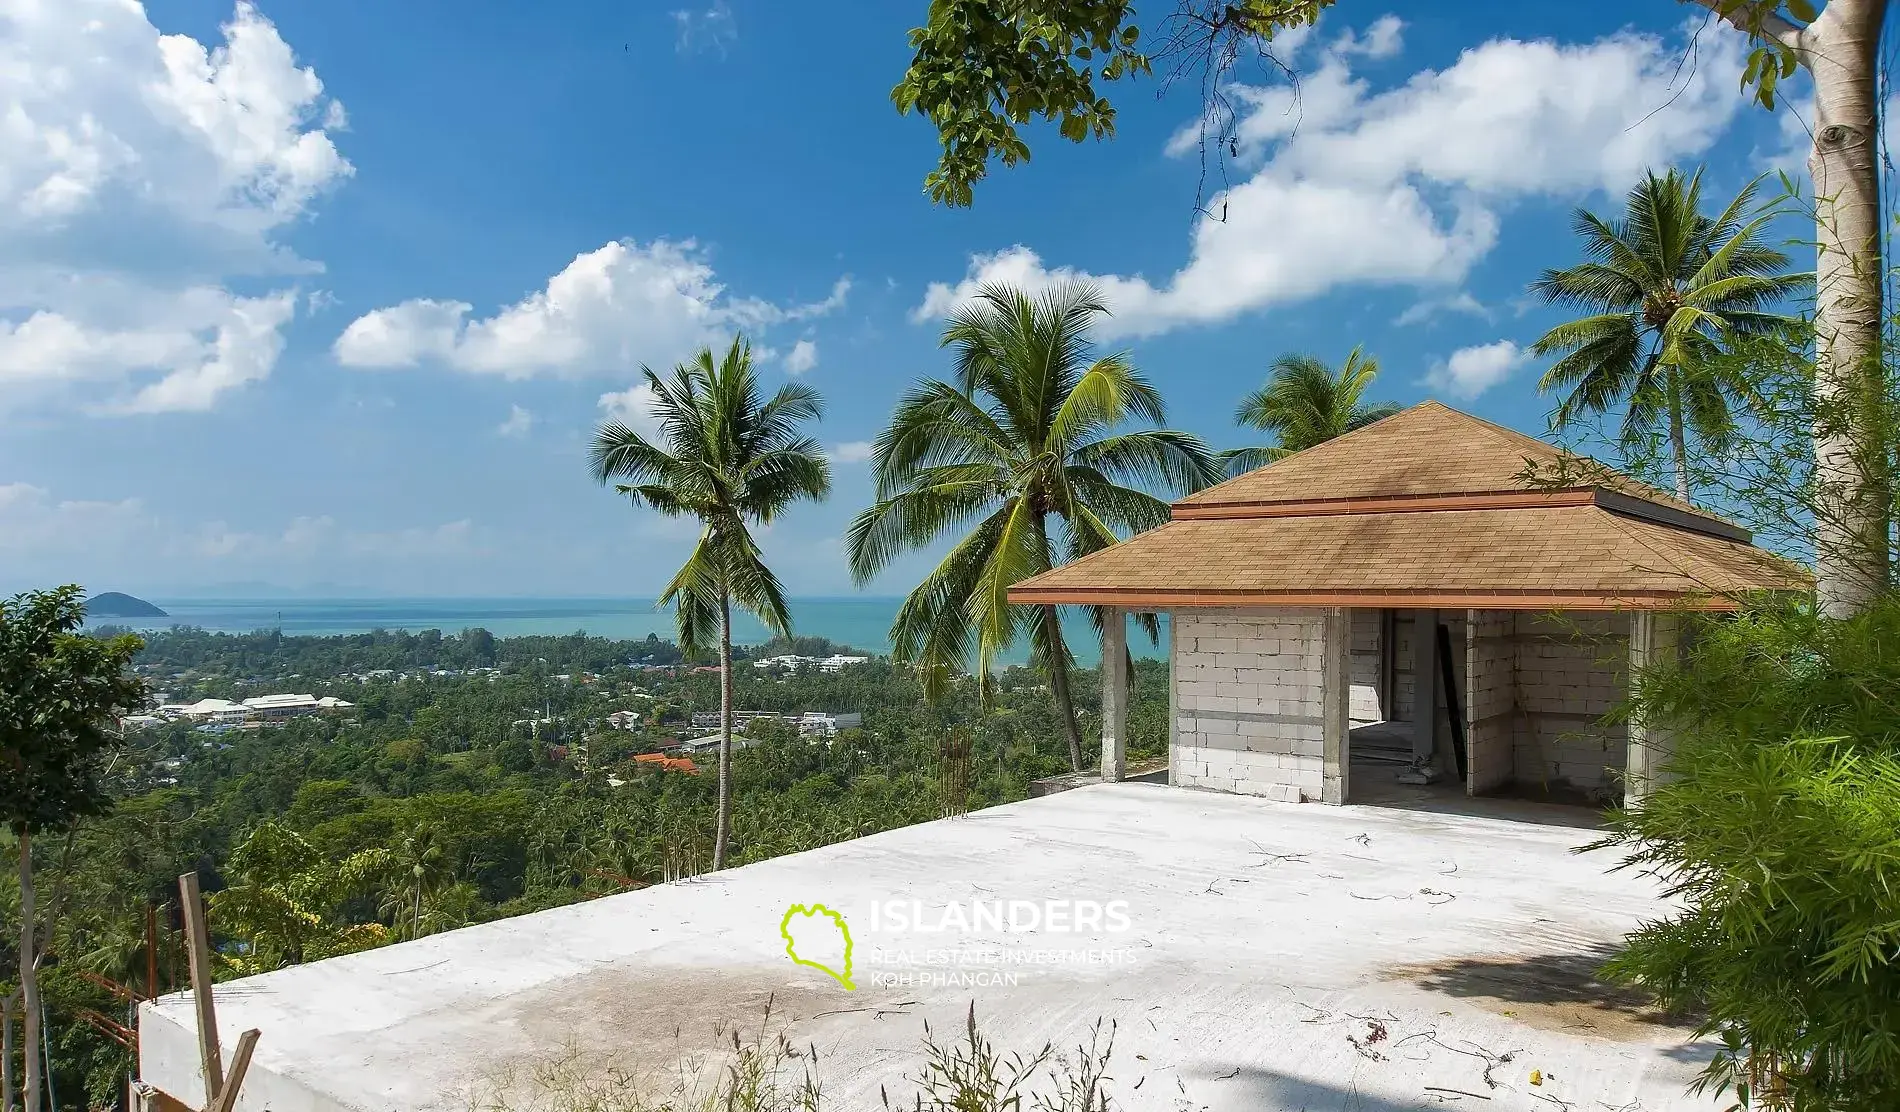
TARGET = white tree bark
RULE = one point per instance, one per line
(1840, 49)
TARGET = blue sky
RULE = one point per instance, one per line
(329, 297)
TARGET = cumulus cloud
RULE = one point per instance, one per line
(1473, 370)
(611, 309)
(519, 423)
(633, 407)
(803, 357)
(853, 451)
(140, 173)
(1406, 185)
(199, 342)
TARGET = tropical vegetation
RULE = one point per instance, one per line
(59, 691)
(1022, 457)
(733, 459)
(1303, 403)
(1664, 287)
(475, 778)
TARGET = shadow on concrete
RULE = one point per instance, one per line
(1553, 992)
(1252, 1088)
(1375, 784)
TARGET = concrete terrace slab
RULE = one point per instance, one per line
(1279, 956)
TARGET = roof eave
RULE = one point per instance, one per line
(1029, 593)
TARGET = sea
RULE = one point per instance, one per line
(860, 621)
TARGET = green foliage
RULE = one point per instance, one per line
(1305, 403)
(1023, 439)
(981, 69)
(59, 693)
(324, 791)
(731, 459)
(1666, 288)
(1779, 828)
(285, 899)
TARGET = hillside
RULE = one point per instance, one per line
(112, 604)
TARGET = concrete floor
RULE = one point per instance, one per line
(1277, 956)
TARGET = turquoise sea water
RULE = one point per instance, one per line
(860, 621)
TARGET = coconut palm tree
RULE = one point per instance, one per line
(1304, 402)
(1021, 449)
(723, 454)
(1664, 285)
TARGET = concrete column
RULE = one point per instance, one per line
(1114, 694)
(1425, 683)
(1653, 641)
(1336, 705)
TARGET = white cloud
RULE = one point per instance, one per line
(1430, 308)
(633, 407)
(853, 451)
(519, 423)
(47, 537)
(200, 342)
(611, 309)
(803, 357)
(1405, 186)
(105, 114)
(32, 521)
(139, 173)
(710, 28)
(1385, 38)
(1473, 370)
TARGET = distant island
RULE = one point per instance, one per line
(112, 604)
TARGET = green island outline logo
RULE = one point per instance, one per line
(791, 947)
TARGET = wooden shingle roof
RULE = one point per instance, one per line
(1428, 508)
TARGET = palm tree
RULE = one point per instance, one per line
(727, 457)
(1305, 402)
(1023, 435)
(1664, 285)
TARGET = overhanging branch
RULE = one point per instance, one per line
(1774, 27)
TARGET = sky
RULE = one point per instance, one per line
(329, 298)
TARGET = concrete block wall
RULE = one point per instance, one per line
(1368, 629)
(1402, 689)
(1248, 706)
(1572, 670)
(1490, 649)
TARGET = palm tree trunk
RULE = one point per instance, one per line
(1056, 655)
(1678, 439)
(29, 976)
(722, 822)
(1841, 50)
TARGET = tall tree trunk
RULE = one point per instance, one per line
(722, 823)
(1840, 49)
(7, 1096)
(1056, 654)
(29, 977)
(1678, 439)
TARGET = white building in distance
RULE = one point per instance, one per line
(822, 663)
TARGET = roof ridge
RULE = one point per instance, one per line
(1641, 490)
